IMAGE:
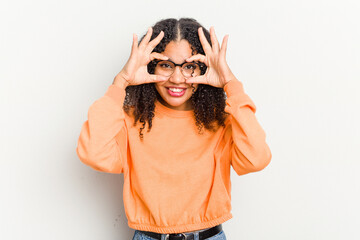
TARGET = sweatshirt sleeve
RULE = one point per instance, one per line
(103, 138)
(249, 151)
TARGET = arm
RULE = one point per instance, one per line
(243, 134)
(103, 138)
(249, 151)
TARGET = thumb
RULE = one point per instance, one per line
(199, 79)
(157, 78)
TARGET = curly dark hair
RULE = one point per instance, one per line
(208, 102)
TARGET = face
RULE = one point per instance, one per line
(178, 52)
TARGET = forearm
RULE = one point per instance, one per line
(250, 151)
(104, 134)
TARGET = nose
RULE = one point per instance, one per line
(177, 76)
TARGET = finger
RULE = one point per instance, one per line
(197, 57)
(146, 39)
(224, 46)
(156, 55)
(156, 41)
(214, 41)
(199, 79)
(205, 44)
(135, 43)
(157, 78)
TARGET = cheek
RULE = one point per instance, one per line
(157, 87)
(160, 88)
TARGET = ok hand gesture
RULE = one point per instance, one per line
(135, 70)
(218, 72)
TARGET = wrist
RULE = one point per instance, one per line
(120, 81)
(229, 80)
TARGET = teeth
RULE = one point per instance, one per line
(176, 89)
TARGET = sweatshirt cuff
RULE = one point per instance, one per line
(236, 96)
(234, 87)
(116, 93)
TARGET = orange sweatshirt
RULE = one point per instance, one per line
(175, 180)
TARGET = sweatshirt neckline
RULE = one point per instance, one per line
(172, 112)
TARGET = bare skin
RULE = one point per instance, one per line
(218, 73)
(177, 51)
(135, 70)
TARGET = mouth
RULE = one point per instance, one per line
(176, 92)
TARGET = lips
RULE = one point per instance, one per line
(176, 91)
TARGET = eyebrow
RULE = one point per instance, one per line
(175, 62)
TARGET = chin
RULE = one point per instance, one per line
(180, 103)
(175, 101)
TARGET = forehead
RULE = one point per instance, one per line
(178, 51)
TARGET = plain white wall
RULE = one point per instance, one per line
(298, 60)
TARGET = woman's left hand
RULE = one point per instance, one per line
(218, 72)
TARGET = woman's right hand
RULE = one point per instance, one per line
(135, 70)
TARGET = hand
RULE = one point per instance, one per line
(135, 70)
(218, 72)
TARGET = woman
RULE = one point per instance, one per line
(196, 122)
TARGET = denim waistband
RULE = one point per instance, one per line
(200, 230)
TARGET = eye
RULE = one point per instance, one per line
(164, 65)
(190, 66)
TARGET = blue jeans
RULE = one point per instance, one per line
(138, 235)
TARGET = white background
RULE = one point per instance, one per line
(298, 60)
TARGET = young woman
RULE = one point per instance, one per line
(195, 122)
